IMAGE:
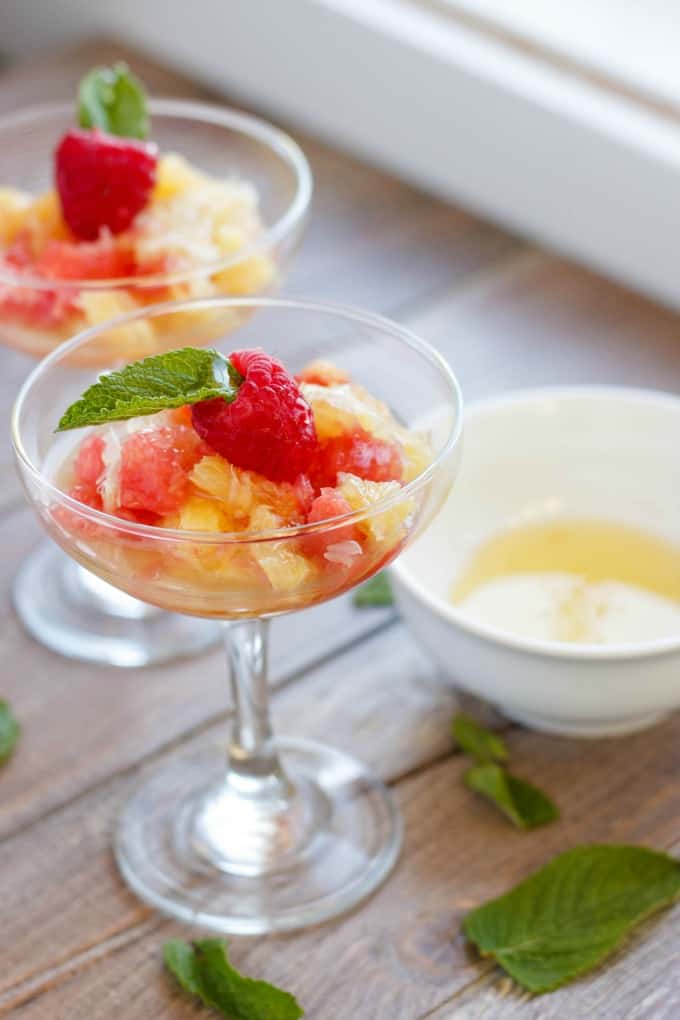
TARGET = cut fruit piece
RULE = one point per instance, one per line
(100, 260)
(286, 569)
(199, 514)
(358, 453)
(86, 494)
(322, 373)
(88, 470)
(13, 206)
(246, 276)
(328, 504)
(387, 526)
(40, 309)
(154, 468)
(417, 452)
(174, 174)
(134, 340)
(242, 491)
(344, 407)
(44, 222)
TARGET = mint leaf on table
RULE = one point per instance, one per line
(566, 918)
(162, 381)
(203, 969)
(10, 731)
(113, 100)
(524, 804)
(376, 592)
(477, 741)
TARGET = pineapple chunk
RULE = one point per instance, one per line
(388, 526)
(287, 570)
(174, 175)
(340, 408)
(13, 206)
(249, 276)
(136, 338)
(209, 561)
(199, 514)
(416, 450)
(323, 372)
(44, 221)
(244, 491)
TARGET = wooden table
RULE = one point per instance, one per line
(74, 943)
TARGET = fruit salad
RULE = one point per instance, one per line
(141, 222)
(266, 491)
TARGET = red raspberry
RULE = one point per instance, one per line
(103, 181)
(358, 453)
(268, 428)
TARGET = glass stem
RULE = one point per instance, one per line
(254, 820)
(253, 764)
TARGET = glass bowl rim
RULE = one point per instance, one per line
(342, 311)
(246, 124)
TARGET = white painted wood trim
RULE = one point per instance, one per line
(544, 151)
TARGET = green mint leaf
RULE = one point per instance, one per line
(113, 100)
(524, 804)
(154, 384)
(180, 959)
(10, 731)
(376, 592)
(477, 741)
(203, 969)
(567, 917)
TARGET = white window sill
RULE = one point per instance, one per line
(580, 162)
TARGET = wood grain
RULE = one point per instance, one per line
(536, 320)
(401, 954)
(400, 722)
(75, 945)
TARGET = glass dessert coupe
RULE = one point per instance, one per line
(260, 834)
(65, 607)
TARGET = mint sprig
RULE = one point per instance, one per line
(203, 969)
(374, 593)
(523, 803)
(566, 918)
(154, 384)
(113, 100)
(476, 740)
(10, 731)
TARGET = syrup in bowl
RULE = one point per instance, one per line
(578, 581)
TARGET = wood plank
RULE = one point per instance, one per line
(517, 321)
(377, 701)
(402, 954)
(82, 724)
(537, 320)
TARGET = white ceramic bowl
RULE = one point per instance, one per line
(574, 452)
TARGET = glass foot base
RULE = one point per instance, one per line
(74, 613)
(340, 849)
